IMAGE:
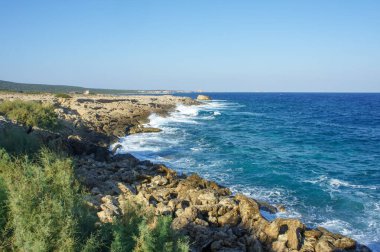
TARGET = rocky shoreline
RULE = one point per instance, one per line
(213, 218)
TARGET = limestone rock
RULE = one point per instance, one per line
(208, 198)
(345, 243)
(231, 218)
(293, 229)
(203, 97)
(324, 246)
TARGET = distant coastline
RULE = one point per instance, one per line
(9, 86)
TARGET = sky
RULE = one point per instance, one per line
(213, 45)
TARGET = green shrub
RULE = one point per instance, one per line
(16, 141)
(30, 113)
(45, 204)
(3, 207)
(139, 230)
(62, 95)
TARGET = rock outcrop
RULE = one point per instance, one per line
(213, 218)
(203, 98)
(91, 123)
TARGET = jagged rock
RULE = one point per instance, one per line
(313, 233)
(208, 198)
(163, 209)
(324, 246)
(136, 130)
(279, 246)
(168, 172)
(127, 189)
(249, 210)
(267, 207)
(231, 218)
(345, 243)
(159, 181)
(291, 227)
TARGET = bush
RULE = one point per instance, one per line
(3, 208)
(30, 113)
(16, 141)
(139, 230)
(45, 204)
(62, 95)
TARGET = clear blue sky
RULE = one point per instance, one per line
(283, 45)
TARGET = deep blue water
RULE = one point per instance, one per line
(317, 154)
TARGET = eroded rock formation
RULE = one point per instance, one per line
(208, 213)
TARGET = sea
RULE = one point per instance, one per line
(318, 154)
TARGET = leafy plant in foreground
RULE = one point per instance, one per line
(44, 203)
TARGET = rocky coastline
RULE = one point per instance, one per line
(209, 214)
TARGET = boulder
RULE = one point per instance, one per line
(208, 197)
(140, 129)
(324, 246)
(291, 227)
(345, 243)
(203, 98)
(159, 181)
(231, 218)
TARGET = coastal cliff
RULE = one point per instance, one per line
(213, 218)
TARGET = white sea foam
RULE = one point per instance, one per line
(339, 183)
(182, 114)
(145, 145)
(334, 183)
(338, 226)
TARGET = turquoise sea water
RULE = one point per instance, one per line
(317, 154)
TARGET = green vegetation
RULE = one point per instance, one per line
(43, 88)
(44, 202)
(63, 95)
(38, 88)
(42, 208)
(30, 113)
(16, 141)
(3, 209)
(139, 230)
